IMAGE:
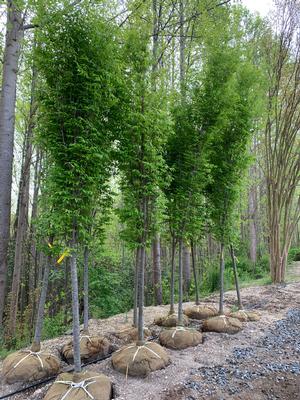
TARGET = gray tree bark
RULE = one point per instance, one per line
(86, 290)
(186, 271)
(14, 35)
(222, 267)
(180, 285)
(75, 304)
(136, 284)
(157, 270)
(172, 288)
(236, 279)
(36, 345)
(195, 273)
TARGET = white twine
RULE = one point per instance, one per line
(225, 319)
(78, 385)
(85, 336)
(141, 347)
(244, 312)
(178, 328)
(31, 353)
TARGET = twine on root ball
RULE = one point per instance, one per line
(29, 366)
(180, 338)
(140, 360)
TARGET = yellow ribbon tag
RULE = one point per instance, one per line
(50, 245)
(64, 254)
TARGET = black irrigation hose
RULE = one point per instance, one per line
(70, 369)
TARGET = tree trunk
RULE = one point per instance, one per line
(222, 267)
(252, 225)
(195, 273)
(186, 271)
(36, 345)
(86, 289)
(180, 285)
(75, 304)
(136, 287)
(157, 270)
(236, 279)
(172, 289)
(141, 279)
(14, 35)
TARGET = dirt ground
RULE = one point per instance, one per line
(262, 362)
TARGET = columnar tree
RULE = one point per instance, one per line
(228, 85)
(77, 112)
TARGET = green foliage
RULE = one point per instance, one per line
(294, 254)
(76, 56)
(110, 288)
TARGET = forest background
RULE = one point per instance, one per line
(186, 60)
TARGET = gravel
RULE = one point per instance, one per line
(246, 364)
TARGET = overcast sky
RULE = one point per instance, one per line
(261, 6)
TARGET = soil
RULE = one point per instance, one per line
(262, 362)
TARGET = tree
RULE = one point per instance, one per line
(14, 35)
(281, 133)
(229, 80)
(77, 116)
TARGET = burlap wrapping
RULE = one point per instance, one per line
(201, 311)
(180, 338)
(241, 315)
(130, 334)
(87, 385)
(137, 360)
(91, 348)
(170, 320)
(253, 315)
(244, 315)
(28, 366)
(223, 324)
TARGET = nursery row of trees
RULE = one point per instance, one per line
(143, 130)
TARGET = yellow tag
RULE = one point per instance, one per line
(50, 245)
(64, 254)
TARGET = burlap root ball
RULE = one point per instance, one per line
(179, 338)
(244, 315)
(80, 386)
(201, 311)
(169, 321)
(130, 334)
(28, 366)
(223, 324)
(137, 360)
(91, 348)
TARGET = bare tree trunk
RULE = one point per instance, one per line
(21, 231)
(157, 270)
(36, 345)
(186, 271)
(236, 279)
(86, 290)
(172, 288)
(14, 35)
(75, 304)
(195, 273)
(180, 285)
(141, 277)
(222, 267)
(252, 225)
(136, 287)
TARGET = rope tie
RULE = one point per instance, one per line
(244, 312)
(85, 336)
(225, 319)
(141, 347)
(79, 385)
(30, 353)
(178, 328)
